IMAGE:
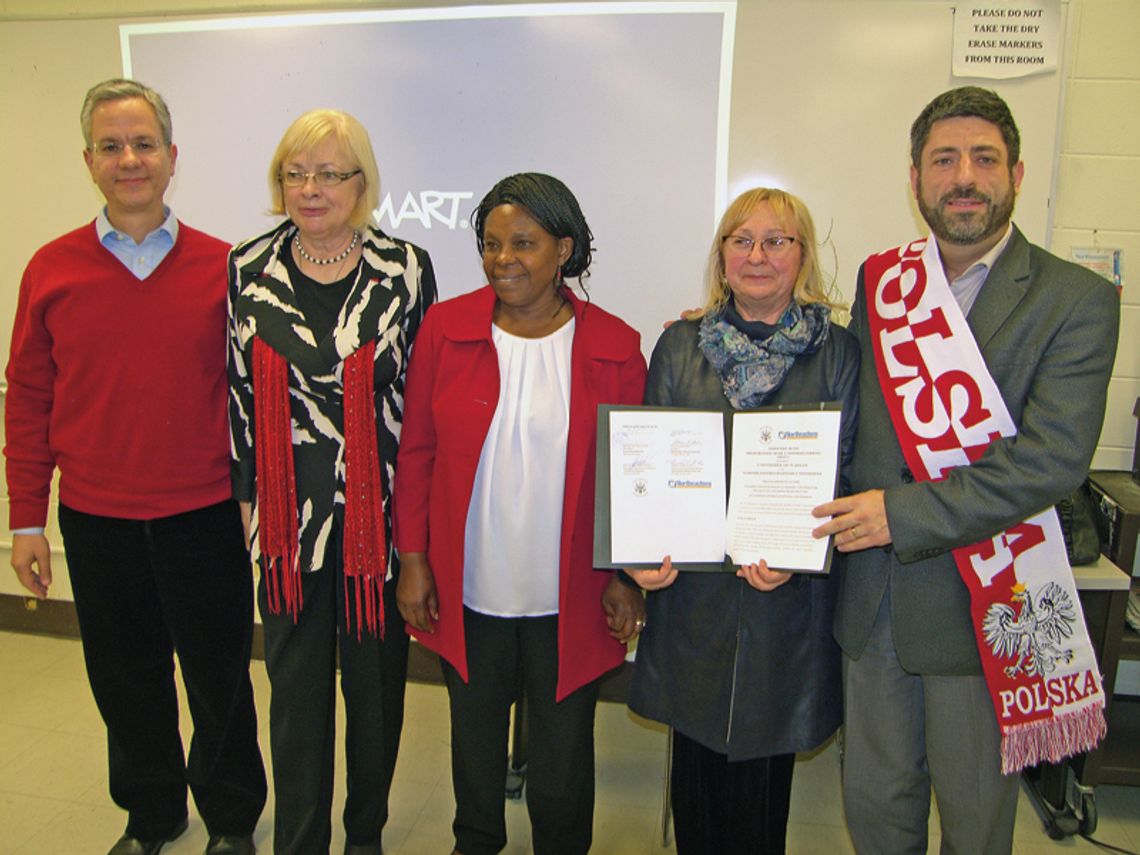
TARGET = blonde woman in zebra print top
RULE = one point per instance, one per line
(323, 311)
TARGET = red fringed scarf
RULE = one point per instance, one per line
(946, 409)
(365, 544)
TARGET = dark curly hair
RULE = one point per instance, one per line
(965, 102)
(552, 206)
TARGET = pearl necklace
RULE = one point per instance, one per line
(336, 258)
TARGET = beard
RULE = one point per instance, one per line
(965, 229)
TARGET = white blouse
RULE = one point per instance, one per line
(514, 523)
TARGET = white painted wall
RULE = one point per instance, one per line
(59, 42)
(1098, 185)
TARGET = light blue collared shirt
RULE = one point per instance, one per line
(139, 258)
(967, 286)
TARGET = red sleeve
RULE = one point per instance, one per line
(27, 410)
(416, 457)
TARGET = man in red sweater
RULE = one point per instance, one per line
(117, 377)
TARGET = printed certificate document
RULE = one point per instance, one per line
(667, 485)
(784, 463)
(663, 478)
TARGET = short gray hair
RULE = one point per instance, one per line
(116, 90)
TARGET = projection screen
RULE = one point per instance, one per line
(625, 102)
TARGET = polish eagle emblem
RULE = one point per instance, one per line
(1032, 630)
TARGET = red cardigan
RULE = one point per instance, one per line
(452, 393)
(119, 382)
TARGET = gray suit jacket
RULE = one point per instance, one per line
(1047, 330)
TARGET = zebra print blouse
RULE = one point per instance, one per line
(393, 288)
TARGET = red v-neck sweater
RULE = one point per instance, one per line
(118, 381)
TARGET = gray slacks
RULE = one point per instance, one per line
(908, 732)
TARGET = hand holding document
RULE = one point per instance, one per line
(663, 487)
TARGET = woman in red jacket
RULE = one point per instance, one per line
(494, 512)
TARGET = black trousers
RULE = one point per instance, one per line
(301, 660)
(145, 590)
(502, 654)
(732, 808)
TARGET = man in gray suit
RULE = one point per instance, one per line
(918, 712)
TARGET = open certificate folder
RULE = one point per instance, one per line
(663, 486)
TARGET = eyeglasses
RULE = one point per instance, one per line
(323, 178)
(142, 147)
(773, 247)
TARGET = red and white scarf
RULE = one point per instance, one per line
(947, 409)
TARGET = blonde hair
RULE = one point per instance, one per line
(810, 285)
(312, 129)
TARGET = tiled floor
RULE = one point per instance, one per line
(53, 796)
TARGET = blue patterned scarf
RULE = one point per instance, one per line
(751, 370)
